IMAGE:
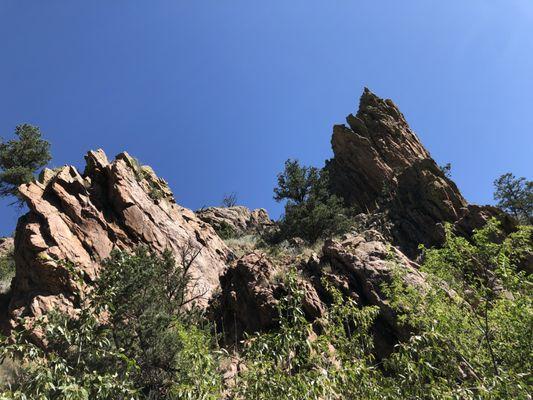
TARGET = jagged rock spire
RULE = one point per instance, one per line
(380, 165)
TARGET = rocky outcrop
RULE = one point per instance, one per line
(380, 166)
(78, 219)
(361, 265)
(248, 299)
(237, 220)
(422, 200)
(250, 293)
(371, 151)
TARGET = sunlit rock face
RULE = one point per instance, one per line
(380, 165)
(240, 220)
(79, 218)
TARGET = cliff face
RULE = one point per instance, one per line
(80, 218)
(371, 151)
(380, 165)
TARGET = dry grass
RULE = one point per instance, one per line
(243, 245)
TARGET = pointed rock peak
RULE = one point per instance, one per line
(96, 161)
(370, 102)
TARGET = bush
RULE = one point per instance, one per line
(81, 361)
(515, 196)
(150, 303)
(296, 363)
(225, 230)
(136, 336)
(311, 211)
(473, 324)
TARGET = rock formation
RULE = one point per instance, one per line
(358, 265)
(250, 292)
(379, 165)
(80, 218)
(239, 220)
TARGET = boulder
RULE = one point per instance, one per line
(78, 219)
(360, 266)
(237, 220)
(249, 298)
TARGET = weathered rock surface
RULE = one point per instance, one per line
(360, 267)
(380, 166)
(371, 151)
(248, 302)
(80, 218)
(423, 199)
(238, 219)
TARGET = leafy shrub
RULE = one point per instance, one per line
(515, 196)
(473, 325)
(151, 306)
(225, 231)
(135, 336)
(296, 363)
(311, 211)
(81, 361)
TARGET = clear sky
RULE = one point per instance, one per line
(215, 95)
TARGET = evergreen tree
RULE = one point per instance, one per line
(20, 158)
(515, 196)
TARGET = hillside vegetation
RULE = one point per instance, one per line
(379, 281)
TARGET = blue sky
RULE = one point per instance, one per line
(215, 95)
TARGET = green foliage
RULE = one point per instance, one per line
(294, 362)
(138, 335)
(20, 158)
(473, 324)
(225, 231)
(81, 361)
(311, 212)
(7, 267)
(515, 196)
(135, 336)
(150, 307)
